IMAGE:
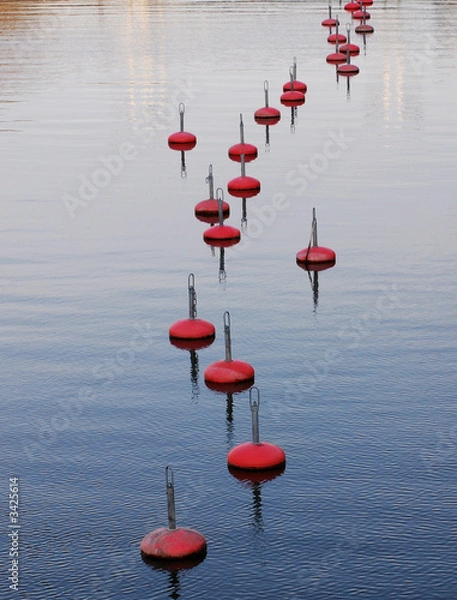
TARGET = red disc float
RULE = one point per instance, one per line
(366, 2)
(221, 236)
(182, 140)
(329, 22)
(333, 37)
(243, 186)
(359, 15)
(336, 57)
(294, 83)
(364, 28)
(172, 543)
(315, 254)
(353, 49)
(292, 98)
(208, 210)
(256, 455)
(192, 328)
(352, 6)
(224, 374)
(236, 151)
(267, 115)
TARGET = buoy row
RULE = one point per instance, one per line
(344, 48)
(254, 459)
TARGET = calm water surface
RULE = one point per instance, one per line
(355, 366)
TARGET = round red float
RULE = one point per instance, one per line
(329, 22)
(353, 49)
(359, 15)
(333, 37)
(336, 58)
(293, 83)
(316, 255)
(222, 236)
(256, 457)
(192, 329)
(352, 6)
(292, 98)
(170, 544)
(208, 210)
(267, 115)
(243, 186)
(236, 151)
(364, 28)
(182, 140)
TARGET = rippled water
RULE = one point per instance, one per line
(355, 366)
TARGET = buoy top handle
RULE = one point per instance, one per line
(241, 129)
(254, 406)
(266, 87)
(170, 485)
(220, 200)
(314, 228)
(210, 181)
(192, 296)
(294, 66)
(181, 115)
(228, 342)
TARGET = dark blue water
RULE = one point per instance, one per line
(355, 366)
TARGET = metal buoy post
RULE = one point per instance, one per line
(265, 87)
(314, 228)
(243, 166)
(294, 67)
(192, 296)
(181, 116)
(220, 200)
(241, 129)
(228, 344)
(169, 480)
(254, 404)
(210, 181)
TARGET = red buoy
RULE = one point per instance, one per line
(359, 15)
(173, 543)
(229, 374)
(243, 186)
(336, 37)
(242, 149)
(256, 455)
(192, 328)
(208, 210)
(221, 236)
(347, 69)
(315, 254)
(336, 57)
(298, 86)
(353, 49)
(352, 6)
(329, 22)
(182, 140)
(267, 115)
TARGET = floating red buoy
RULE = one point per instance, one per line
(173, 542)
(353, 49)
(256, 455)
(314, 254)
(329, 22)
(243, 186)
(359, 15)
(298, 86)
(221, 235)
(192, 328)
(208, 210)
(182, 140)
(242, 149)
(352, 6)
(228, 375)
(267, 115)
(333, 38)
(347, 69)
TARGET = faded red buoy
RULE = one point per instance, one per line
(298, 86)
(364, 27)
(352, 6)
(353, 49)
(249, 151)
(221, 236)
(208, 210)
(173, 543)
(359, 15)
(267, 115)
(347, 69)
(336, 57)
(314, 254)
(243, 186)
(182, 140)
(366, 2)
(229, 375)
(256, 455)
(192, 329)
(292, 97)
(329, 22)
